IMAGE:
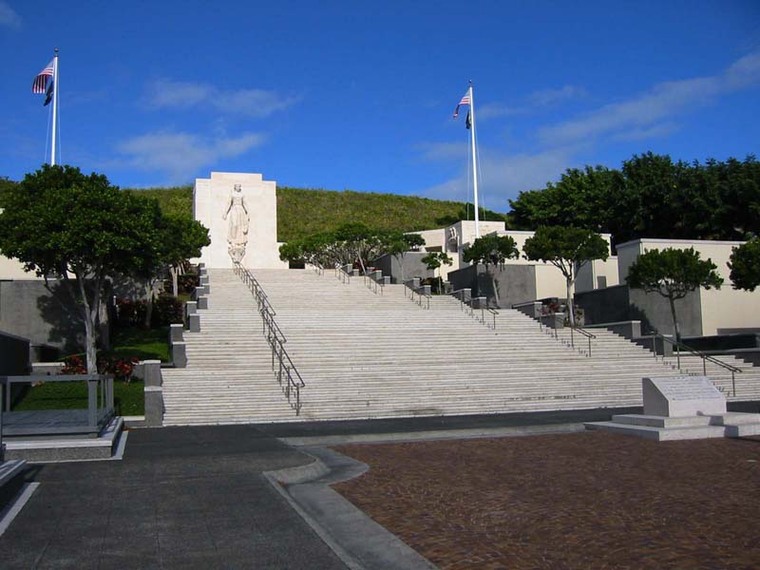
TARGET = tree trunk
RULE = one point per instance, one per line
(570, 283)
(90, 312)
(675, 319)
(174, 272)
(149, 303)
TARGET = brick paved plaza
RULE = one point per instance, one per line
(582, 500)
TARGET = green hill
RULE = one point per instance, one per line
(302, 212)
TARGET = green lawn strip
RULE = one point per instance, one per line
(129, 398)
(146, 344)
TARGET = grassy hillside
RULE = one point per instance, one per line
(302, 212)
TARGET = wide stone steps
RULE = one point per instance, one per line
(365, 355)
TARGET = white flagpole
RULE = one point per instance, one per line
(55, 106)
(474, 162)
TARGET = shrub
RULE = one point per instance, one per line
(121, 368)
(130, 313)
(167, 310)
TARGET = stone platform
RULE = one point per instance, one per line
(45, 449)
(661, 428)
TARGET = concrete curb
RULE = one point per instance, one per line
(432, 435)
(356, 539)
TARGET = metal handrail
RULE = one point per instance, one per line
(585, 333)
(373, 285)
(419, 291)
(318, 269)
(343, 275)
(482, 318)
(553, 331)
(287, 374)
(705, 357)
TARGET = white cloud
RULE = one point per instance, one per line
(8, 16)
(651, 114)
(180, 155)
(256, 103)
(661, 103)
(534, 102)
(503, 176)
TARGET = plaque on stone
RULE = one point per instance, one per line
(680, 396)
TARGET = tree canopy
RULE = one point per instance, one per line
(673, 273)
(650, 196)
(745, 265)
(350, 243)
(61, 223)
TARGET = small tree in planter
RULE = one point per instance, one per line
(491, 250)
(433, 261)
(673, 273)
(398, 244)
(568, 249)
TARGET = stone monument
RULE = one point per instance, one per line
(240, 212)
(682, 407)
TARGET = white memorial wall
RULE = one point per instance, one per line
(240, 212)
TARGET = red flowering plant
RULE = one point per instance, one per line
(121, 367)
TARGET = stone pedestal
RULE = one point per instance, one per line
(682, 407)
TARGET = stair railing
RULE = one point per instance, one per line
(422, 296)
(583, 332)
(494, 313)
(554, 331)
(678, 345)
(287, 374)
(374, 286)
(342, 274)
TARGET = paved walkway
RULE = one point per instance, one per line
(181, 498)
(197, 497)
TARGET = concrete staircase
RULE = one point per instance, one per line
(367, 355)
(229, 376)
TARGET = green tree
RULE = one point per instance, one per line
(178, 238)
(581, 198)
(433, 261)
(568, 249)
(398, 244)
(63, 224)
(181, 238)
(673, 273)
(745, 265)
(491, 250)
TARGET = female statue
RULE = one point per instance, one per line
(237, 228)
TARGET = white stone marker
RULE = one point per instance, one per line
(682, 396)
(240, 211)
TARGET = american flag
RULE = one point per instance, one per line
(41, 81)
(465, 101)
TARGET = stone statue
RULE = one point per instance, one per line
(237, 227)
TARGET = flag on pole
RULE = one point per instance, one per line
(464, 101)
(44, 82)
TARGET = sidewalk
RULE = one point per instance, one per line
(181, 498)
(198, 497)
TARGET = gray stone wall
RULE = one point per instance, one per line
(412, 266)
(515, 283)
(29, 310)
(620, 303)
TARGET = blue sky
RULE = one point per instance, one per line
(359, 95)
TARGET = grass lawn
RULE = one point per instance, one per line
(129, 398)
(151, 344)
